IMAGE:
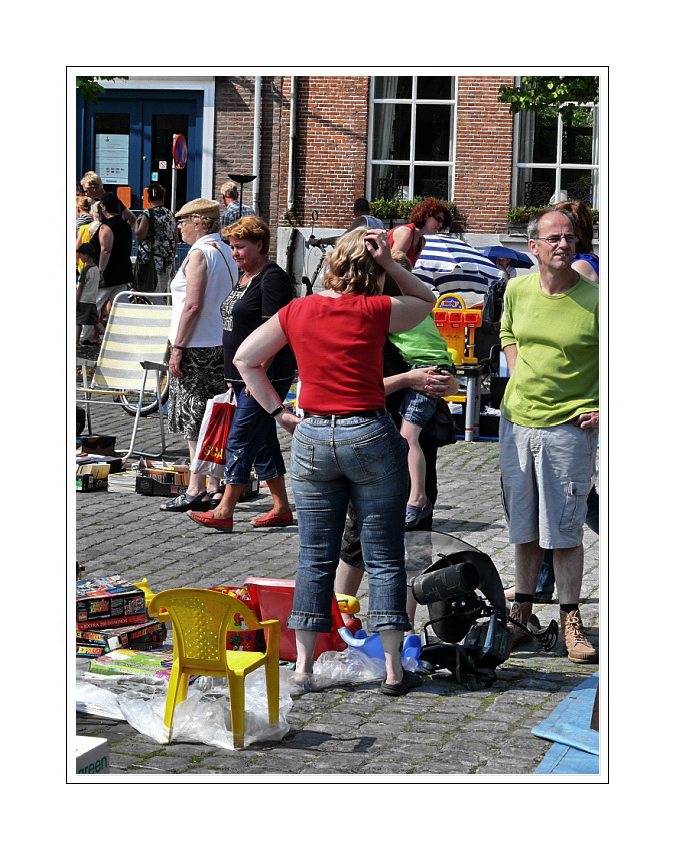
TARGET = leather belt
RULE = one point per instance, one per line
(364, 414)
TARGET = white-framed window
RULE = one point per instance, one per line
(556, 160)
(412, 137)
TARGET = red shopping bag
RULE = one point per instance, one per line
(209, 457)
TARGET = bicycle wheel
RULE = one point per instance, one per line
(129, 401)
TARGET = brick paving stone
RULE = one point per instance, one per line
(439, 729)
(168, 764)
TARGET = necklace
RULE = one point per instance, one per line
(252, 275)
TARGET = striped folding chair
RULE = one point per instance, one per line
(136, 343)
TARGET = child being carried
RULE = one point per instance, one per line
(421, 347)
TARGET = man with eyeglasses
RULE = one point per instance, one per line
(549, 422)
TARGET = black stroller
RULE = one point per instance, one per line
(468, 617)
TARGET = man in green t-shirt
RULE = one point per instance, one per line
(549, 425)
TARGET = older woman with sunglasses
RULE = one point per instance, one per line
(428, 217)
(205, 278)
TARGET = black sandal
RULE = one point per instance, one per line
(211, 497)
(184, 503)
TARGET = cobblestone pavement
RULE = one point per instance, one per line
(440, 728)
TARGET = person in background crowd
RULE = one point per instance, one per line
(585, 261)
(84, 216)
(87, 289)
(264, 288)
(428, 217)
(92, 185)
(233, 207)
(157, 236)
(112, 246)
(362, 218)
(204, 280)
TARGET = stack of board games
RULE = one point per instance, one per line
(112, 614)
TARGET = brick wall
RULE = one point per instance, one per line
(234, 141)
(331, 150)
(484, 153)
(331, 147)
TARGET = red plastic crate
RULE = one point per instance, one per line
(274, 599)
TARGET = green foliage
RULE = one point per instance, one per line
(521, 215)
(90, 89)
(400, 208)
(381, 208)
(538, 94)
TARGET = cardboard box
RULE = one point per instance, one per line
(89, 650)
(252, 489)
(92, 476)
(91, 755)
(146, 485)
(97, 444)
(110, 599)
(115, 622)
(115, 464)
(151, 631)
(85, 483)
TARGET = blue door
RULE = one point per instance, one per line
(127, 138)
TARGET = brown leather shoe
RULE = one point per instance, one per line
(577, 645)
(520, 611)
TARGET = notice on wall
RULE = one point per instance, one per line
(112, 158)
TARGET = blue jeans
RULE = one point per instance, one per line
(362, 459)
(253, 440)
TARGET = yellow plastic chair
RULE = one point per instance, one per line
(201, 619)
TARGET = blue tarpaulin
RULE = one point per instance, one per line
(576, 745)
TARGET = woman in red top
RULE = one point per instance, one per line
(430, 216)
(346, 448)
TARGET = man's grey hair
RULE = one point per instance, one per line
(533, 223)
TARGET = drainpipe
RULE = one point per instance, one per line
(291, 146)
(257, 129)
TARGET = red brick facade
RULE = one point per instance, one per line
(331, 142)
(484, 153)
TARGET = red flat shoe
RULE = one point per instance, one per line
(271, 519)
(208, 520)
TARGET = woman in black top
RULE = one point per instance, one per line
(112, 246)
(263, 289)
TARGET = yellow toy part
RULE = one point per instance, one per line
(457, 325)
(145, 587)
(201, 620)
(348, 604)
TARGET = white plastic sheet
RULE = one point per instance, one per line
(204, 716)
(353, 666)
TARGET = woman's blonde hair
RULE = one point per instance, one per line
(83, 203)
(249, 227)
(351, 267)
